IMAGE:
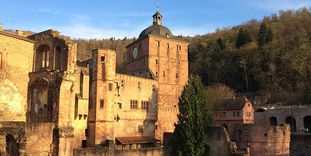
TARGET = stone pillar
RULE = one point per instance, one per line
(64, 141)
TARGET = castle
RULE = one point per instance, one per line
(51, 104)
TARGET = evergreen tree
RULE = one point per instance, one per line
(243, 38)
(189, 138)
(265, 35)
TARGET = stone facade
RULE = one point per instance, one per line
(16, 55)
(51, 104)
(299, 117)
(263, 140)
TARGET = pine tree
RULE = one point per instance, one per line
(265, 35)
(189, 138)
(243, 38)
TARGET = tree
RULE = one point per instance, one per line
(218, 92)
(243, 38)
(189, 138)
(265, 35)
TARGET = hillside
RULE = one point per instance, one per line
(271, 57)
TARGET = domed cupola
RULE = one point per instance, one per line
(156, 28)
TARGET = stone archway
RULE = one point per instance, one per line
(40, 108)
(12, 147)
(307, 123)
(273, 121)
(292, 122)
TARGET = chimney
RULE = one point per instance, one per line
(1, 26)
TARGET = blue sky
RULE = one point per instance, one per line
(120, 18)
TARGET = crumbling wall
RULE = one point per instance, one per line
(263, 139)
(40, 139)
(16, 55)
(300, 144)
(12, 138)
(106, 151)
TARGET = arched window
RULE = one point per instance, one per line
(292, 122)
(273, 121)
(41, 108)
(307, 123)
(42, 57)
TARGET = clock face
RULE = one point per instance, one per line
(135, 52)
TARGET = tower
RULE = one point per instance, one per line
(159, 55)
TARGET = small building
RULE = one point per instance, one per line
(231, 112)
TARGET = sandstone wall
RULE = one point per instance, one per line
(40, 139)
(263, 139)
(16, 56)
(105, 151)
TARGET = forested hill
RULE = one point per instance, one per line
(271, 57)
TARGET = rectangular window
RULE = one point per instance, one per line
(110, 86)
(140, 129)
(168, 46)
(120, 105)
(156, 61)
(178, 47)
(101, 103)
(102, 59)
(163, 73)
(122, 83)
(176, 75)
(233, 113)
(158, 43)
(139, 86)
(134, 104)
(237, 114)
(145, 105)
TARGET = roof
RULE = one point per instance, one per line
(15, 36)
(233, 104)
(156, 30)
(157, 14)
(136, 140)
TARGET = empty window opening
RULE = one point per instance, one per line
(139, 86)
(292, 122)
(101, 103)
(58, 58)
(110, 86)
(273, 121)
(102, 59)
